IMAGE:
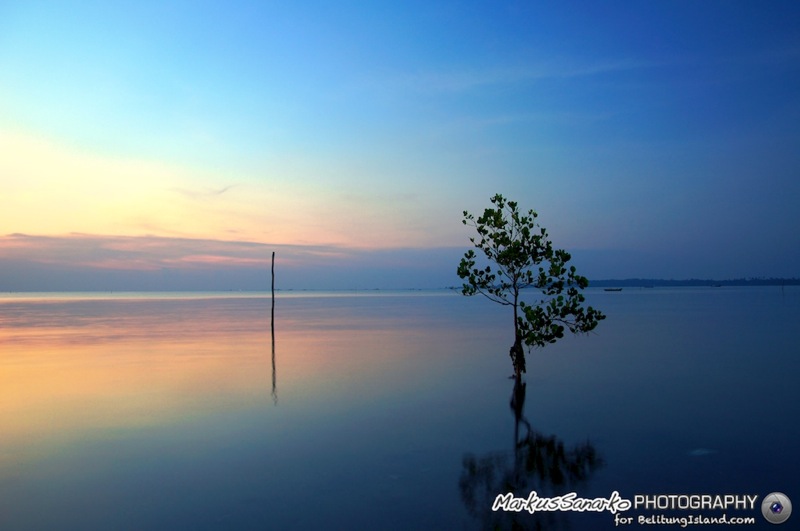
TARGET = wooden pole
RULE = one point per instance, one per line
(273, 291)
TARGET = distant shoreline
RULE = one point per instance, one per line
(221, 293)
(692, 282)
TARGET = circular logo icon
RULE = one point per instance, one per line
(776, 507)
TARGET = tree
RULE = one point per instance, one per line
(523, 257)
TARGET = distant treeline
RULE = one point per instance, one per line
(653, 282)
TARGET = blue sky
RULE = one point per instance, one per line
(655, 139)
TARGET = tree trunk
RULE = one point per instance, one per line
(518, 357)
(517, 352)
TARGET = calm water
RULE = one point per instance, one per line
(384, 411)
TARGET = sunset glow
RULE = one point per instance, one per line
(371, 128)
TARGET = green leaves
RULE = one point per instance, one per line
(524, 258)
(546, 323)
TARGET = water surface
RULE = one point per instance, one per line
(393, 411)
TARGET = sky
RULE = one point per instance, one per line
(176, 145)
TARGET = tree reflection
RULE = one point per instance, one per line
(537, 463)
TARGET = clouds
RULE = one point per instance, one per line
(80, 262)
(330, 129)
(52, 188)
(122, 253)
(203, 193)
(468, 79)
(55, 188)
(120, 263)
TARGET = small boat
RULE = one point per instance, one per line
(612, 289)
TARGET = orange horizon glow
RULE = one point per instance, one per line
(58, 190)
(130, 370)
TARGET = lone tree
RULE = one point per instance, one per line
(523, 257)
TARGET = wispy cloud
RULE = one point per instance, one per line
(465, 79)
(143, 253)
(83, 261)
(156, 252)
(204, 193)
(454, 80)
